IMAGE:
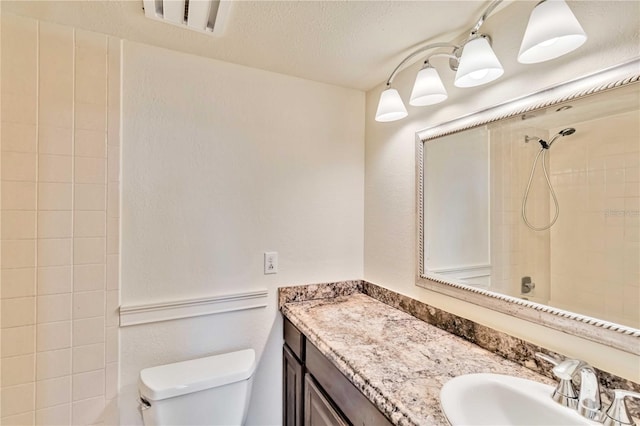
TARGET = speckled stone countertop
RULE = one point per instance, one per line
(398, 361)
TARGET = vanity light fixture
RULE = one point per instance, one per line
(428, 88)
(390, 107)
(552, 31)
(478, 64)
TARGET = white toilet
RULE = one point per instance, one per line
(207, 391)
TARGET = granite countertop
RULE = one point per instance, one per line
(398, 361)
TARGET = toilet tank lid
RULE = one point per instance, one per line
(180, 378)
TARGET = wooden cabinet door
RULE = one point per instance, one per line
(318, 411)
(292, 389)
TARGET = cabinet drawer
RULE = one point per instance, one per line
(294, 339)
(355, 406)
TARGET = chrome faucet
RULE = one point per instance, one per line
(589, 404)
(618, 413)
(587, 401)
(564, 394)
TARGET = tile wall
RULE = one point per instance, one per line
(594, 266)
(516, 251)
(596, 241)
(60, 157)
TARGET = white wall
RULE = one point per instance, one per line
(456, 186)
(221, 163)
(390, 232)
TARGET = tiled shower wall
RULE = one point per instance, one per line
(589, 262)
(596, 241)
(59, 223)
(516, 251)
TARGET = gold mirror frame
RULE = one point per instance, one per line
(611, 334)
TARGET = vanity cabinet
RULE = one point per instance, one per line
(316, 393)
(292, 389)
(318, 410)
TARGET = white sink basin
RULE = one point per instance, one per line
(494, 399)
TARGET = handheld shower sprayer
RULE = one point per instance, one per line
(543, 150)
(562, 133)
(546, 145)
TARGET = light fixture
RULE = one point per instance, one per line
(552, 31)
(428, 88)
(390, 107)
(478, 64)
(475, 62)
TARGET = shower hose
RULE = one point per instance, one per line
(542, 152)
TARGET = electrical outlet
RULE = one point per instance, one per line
(270, 262)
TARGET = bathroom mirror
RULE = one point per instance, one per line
(570, 259)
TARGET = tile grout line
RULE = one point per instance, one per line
(120, 138)
(1, 215)
(106, 219)
(73, 199)
(35, 273)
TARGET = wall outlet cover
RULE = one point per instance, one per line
(270, 262)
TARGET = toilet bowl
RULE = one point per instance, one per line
(206, 391)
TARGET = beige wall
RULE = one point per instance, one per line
(390, 229)
(589, 262)
(517, 251)
(59, 217)
(221, 163)
(595, 244)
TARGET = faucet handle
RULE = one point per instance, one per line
(567, 368)
(562, 369)
(550, 359)
(564, 394)
(618, 414)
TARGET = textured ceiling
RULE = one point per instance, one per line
(353, 44)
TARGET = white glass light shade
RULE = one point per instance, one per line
(390, 107)
(552, 31)
(478, 64)
(428, 88)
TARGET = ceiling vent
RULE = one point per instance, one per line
(205, 16)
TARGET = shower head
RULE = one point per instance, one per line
(564, 132)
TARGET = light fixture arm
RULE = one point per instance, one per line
(484, 16)
(416, 53)
(451, 56)
(455, 47)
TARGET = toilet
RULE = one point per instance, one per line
(206, 391)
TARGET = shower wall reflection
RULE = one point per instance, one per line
(595, 243)
(589, 261)
(517, 251)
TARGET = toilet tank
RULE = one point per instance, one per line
(206, 391)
